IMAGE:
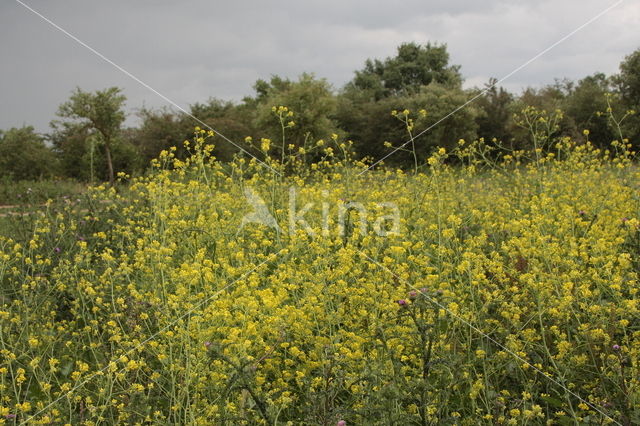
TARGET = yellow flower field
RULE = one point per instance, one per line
(508, 294)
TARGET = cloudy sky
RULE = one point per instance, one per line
(192, 50)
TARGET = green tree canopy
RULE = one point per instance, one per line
(418, 77)
(160, 129)
(628, 85)
(370, 124)
(494, 112)
(312, 101)
(586, 104)
(72, 146)
(102, 112)
(234, 121)
(24, 155)
(628, 80)
(548, 101)
(414, 66)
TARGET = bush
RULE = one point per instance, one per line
(24, 155)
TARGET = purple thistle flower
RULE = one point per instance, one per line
(616, 347)
(402, 302)
(341, 423)
(57, 249)
(207, 344)
(413, 294)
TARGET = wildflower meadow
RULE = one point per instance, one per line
(303, 286)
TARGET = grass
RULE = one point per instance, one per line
(37, 192)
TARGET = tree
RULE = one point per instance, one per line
(414, 66)
(234, 121)
(24, 155)
(586, 104)
(628, 80)
(74, 149)
(418, 77)
(370, 124)
(628, 85)
(548, 102)
(311, 100)
(102, 112)
(160, 130)
(494, 112)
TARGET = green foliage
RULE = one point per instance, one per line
(234, 121)
(24, 155)
(494, 112)
(414, 66)
(160, 130)
(628, 80)
(30, 192)
(545, 101)
(72, 146)
(628, 85)
(370, 124)
(102, 112)
(163, 129)
(439, 101)
(549, 97)
(310, 98)
(586, 104)
(542, 128)
(90, 144)
(78, 149)
(417, 78)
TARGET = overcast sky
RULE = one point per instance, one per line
(193, 50)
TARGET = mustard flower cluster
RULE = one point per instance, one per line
(509, 295)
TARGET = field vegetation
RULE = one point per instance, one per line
(352, 258)
(509, 294)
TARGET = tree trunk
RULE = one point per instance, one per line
(107, 152)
